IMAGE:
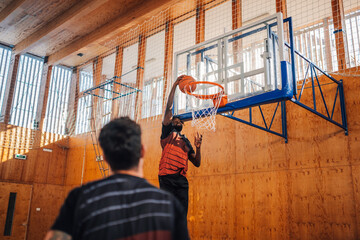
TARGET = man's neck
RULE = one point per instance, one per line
(131, 172)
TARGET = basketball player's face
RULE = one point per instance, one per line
(178, 124)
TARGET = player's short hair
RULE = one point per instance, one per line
(120, 140)
(178, 117)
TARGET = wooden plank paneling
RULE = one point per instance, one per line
(74, 161)
(57, 164)
(151, 139)
(263, 188)
(356, 189)
(48, 198)
(21, 211)
(322, 204)
(10, 8)
(217, 149)
(77, 10)
(92, 171)
(145, 8)
(28, 172)
(211, 209)
(258, 212)
(43, 160)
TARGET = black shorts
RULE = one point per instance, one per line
(178, 185)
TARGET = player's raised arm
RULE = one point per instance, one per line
(168, 110)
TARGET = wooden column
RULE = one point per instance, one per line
(328, 58)
(281, 7)
(200, 23)
(140, 75)
(10, 92)
(168, 59)
(237, 23)
(338, 18)
(44, 91)
(236, 14)
(96, 110)
(117, 88)
(43, 99)
(73, 100)
(200, 26)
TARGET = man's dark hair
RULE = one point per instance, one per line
(120, 140)
(178, 117)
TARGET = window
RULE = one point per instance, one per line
(352, 22)
(58, 100)
(218, 20)
(153, 76)
(108, 71)
(83, 115)
(26, 94)
(152, 97)
(313, 42)
(127, 104)
(107, 104)
(5, 56)
(184, 37)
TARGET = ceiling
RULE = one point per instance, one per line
(60, 29)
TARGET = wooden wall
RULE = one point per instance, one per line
(253, 185)
(42, 172)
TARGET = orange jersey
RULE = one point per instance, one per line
(174, 158)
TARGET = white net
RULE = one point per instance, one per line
(204, 110)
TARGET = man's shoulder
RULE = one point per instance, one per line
(166, 130)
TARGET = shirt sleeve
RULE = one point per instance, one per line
(180, 224)
(64, 221)
(166, 130)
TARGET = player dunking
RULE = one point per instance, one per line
(177, 150)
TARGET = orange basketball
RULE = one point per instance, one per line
(184, 84)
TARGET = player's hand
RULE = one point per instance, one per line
(198, 140)
(177, 81)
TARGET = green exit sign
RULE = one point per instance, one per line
(19, 156)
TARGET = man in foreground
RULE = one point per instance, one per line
(123, 206)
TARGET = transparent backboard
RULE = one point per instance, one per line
(245, 61)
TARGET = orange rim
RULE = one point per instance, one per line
(203, 96)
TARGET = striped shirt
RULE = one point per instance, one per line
(121, 207)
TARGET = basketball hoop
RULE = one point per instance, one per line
(204, 103)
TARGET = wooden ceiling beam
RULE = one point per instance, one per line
(81, 8)
(10, 8)
(120, 24)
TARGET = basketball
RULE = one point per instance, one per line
(184, 84)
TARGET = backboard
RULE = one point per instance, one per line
(248, 62)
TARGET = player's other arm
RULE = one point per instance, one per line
(57, 235)
(195, 158)
(168, 110)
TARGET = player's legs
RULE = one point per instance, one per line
(177, 185)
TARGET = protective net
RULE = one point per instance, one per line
(42, 105)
